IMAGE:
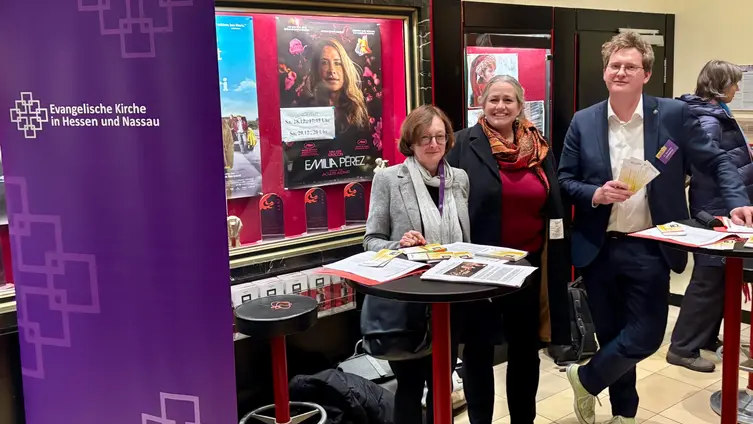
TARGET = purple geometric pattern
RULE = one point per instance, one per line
(126, 26)
(195, 412)
(28, 115)
(49, 277)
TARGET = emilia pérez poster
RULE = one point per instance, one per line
(240, 111)
(330, 99)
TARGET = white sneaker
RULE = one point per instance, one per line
(458, 395)
(584, 403)
(621, 420)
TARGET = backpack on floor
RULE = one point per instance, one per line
(582, 330)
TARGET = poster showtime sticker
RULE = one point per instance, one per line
(355, 204)
(272, 218)
(331, 99)
(316, 210)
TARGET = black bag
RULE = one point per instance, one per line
(582, 330)
(395, 331)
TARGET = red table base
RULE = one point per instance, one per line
(280, 380)
(731, 356)
(440, 352)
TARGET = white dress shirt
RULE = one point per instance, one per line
(626, 141)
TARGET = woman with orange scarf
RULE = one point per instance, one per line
(514, 202)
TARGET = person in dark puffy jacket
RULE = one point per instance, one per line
(703, 305)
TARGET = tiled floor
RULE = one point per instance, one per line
(668, 394)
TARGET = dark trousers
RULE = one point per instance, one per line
(627, 286)
(701, 312)
(412, 376)
(520, 315)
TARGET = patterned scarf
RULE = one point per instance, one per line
(527, 150)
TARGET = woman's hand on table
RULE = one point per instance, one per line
(412, 238)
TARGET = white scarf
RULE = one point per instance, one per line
(438, 228)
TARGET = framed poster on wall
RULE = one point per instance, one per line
(330, 72)
(322, 105)
(528, 65)
(239, 105)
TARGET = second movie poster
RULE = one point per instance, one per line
(330, 99)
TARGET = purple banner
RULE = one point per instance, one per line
(110, 127)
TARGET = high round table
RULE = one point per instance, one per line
(732, 404)
(440, 295)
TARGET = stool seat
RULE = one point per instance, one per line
(276, 316)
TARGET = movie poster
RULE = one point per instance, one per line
(239, 104)
(330, 98)
(483, 67)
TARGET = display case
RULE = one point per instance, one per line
(312, 98)
(312, 102)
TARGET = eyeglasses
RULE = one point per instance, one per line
(615, 68)
(440, 139)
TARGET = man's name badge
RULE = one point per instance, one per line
(667, 151)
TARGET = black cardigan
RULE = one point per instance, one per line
(472, 153)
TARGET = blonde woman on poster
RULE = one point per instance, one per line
(334, 80)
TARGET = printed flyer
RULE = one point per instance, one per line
(330, 99)
(239, 104)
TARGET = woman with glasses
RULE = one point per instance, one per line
(514, 202)
(703, 304)
(420, 201)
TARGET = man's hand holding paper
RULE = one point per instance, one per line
(637, 173)
(612, 192)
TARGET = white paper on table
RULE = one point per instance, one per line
(734, 228)
(393, 270)
(307, 123)
(693, 236)
(484, 272)
(476, 249)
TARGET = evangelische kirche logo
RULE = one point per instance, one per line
(28, 115)
(31, 116)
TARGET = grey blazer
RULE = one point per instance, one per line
(393, 209)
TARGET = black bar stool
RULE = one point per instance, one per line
(274, 318)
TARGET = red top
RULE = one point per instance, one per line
(523, 199)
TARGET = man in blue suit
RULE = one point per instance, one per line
(627, 278)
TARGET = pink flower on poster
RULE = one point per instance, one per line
(296, 47)
(377, 135)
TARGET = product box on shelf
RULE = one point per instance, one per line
(242, 293)
(344, 296)
(295, 283)
(320, 288)
(271, 287)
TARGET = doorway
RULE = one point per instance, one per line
(595, 27)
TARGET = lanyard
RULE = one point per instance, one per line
(441, 187)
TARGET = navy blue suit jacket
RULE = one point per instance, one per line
(585, 166)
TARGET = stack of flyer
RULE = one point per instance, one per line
(504, 254)
(479, 271)
(372, 268)
(685, 235)
(636, 173)
(730, 227)
(433, 253)
(671, 229)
